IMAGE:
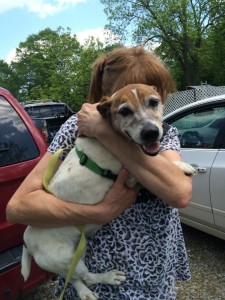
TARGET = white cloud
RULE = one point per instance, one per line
(102, 34)
(10, 56)
(42, 8)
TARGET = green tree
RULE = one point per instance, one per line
(179, 26)
(8, 78)
(212, 58)
(218, 54)
(53, 65)
(43, 61)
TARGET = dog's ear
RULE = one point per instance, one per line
(104, 106)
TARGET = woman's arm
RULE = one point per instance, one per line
(158, 174)
(31, 205)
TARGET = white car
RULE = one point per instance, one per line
(201, 127)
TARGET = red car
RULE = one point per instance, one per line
(21, 147)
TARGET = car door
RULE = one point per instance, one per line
(19, 153)
(198, 130)
(217, 185)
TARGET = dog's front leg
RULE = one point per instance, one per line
(188, 169)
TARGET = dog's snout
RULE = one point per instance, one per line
(150, 133)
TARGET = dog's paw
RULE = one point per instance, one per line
(114, 277)
(188, 169)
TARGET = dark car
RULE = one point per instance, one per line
(48, 116)
(48, 109)
(21, 147)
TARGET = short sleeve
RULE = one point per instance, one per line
(66, 136)
(170, 139)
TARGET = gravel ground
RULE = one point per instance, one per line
(207, 262)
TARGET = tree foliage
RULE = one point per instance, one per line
(180, 27)
(212, 63)
(189, 35)
(45, 64)
(52, 65)
(8, 78)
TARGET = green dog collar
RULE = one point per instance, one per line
(91, 165)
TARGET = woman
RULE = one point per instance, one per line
(141, 237)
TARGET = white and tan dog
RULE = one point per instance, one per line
(136, 112)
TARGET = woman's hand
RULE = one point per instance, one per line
(90, 122)
(117, 200)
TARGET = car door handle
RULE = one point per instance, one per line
(201, 170)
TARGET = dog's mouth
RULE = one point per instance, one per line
(151, 149)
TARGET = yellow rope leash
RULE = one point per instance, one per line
(48, 174)
(77, 255)
(51, 169)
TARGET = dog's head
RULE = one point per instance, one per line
(136, 112)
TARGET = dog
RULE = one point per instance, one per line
(135, 111)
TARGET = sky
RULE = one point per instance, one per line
(21, 18)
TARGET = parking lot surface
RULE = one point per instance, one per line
(207, 263)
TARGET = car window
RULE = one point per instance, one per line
(60, 110)
(199, 129)
(39, 111)
(16, 142)
(48, 111)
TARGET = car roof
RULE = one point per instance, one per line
(196, 104)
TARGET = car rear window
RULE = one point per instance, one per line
(48, 111)
(16, 142)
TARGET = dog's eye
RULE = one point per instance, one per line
(153, 102)
(125, 111)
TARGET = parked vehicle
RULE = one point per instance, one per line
(21, 147)
(48, 116)
(201, 127)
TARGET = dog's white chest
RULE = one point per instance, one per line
(75, 182)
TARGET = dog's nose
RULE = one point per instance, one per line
(150, 133)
